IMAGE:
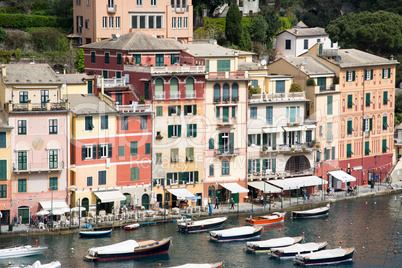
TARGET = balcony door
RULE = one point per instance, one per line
(44, 96)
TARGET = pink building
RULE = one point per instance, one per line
(99, 19)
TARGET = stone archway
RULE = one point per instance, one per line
(297, 163)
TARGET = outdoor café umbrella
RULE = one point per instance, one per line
(76, 209)
(43, 213)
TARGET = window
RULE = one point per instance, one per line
(268, 114)
(185, 23)
(234, 112)
(322, 83)
(190, 154)
(217, 93)
(368, 74)
(104, 122)
(137, 58)
(368, 124)
(133, 147)
(320, 132)
(367, 150)
(385, 99)
(104, 22)
(254, 139)
(225, 92)
(111, 21)
(179, 22)
(308, 136)
(172, 178)
(223, 65)
(173, 22)
(192, 130)
(88, 152)
(305, 44)
(53, 159)
(288, 44)
(3, 170)
(119, 61)
(174, 131)
(349, 127)
(139, 2)
(144, 122)
(23, 96)
(107, 58)
(349, 150)
(159, 60)
(368, 101)
(190, 109)
(124, 123)
(384, 123)
(22, 185)
(318, 156)
(280, 86)
(89, 123)
(158, 159)
(225, 168)
(350, 101)
(159, 111)
(329, 105)
(153, 2)
(211, 144)
(118, 74)
(54, 183)
(89, 181)
(121, 151)
(225, 114)
(3, 191)
(327, 154)
(350, 76)
(158, 22)
(117, 22)
(253, 112)
(218, 112)
(151, 20)
(105, 150)
(386, 73)
(142, 22)
(207, 66)
(93, 57)
(102, 177)
(134, 22)
(211, 170)
(174, 110)
(174, 155)
(384, 146)
(22, 127)
(3, 140)
(235, 92)
(135, 174)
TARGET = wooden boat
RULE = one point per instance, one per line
(311, 213)
(96, 233)
(266, 245)
(267, 219)
(38, 264)
(203, 225)
(235, 234)
(200, 265)
(132, 226)
(128, 249)
(21, 251)
(328, 256)
(293, 250)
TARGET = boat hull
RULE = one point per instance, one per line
(91, 234)
(323, 261)
(258, 249)
(237, 237)
(264, 222)
(14, 253)
(200, 228)
(302, 214)
(286, 255)
(131, 227)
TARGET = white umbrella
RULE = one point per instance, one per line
(76, 209)
(42, 213)
(134, 199)
(153, 197)
(58, 212)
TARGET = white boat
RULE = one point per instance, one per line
(202, 225)
(21, 251)
(38, 264)
(237, 233)
(293, 250)
(328, 256)
(200, 265)
(311, 213)
(266, 245)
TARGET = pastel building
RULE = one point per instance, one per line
(100, 19)
(39, 145)
(5, 169)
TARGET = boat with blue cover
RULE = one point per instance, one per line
(293, 250)
(328, 256)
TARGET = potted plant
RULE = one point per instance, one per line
(227, 100)
(159, 137)
(235, 100)
(317, 145)
(303, 148)
(292, 148)
(29, 101)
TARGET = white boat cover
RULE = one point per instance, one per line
(122, 247)
(342, 175)
(111, 196)
(245, 230)
(234, 187)
(182, 194)
(263, 186)
(299, 247)
(47, 205)
(38, 264)
(194, 265)
(324, 254)
(209, 221)
(276, 242)
(297, 183)
(313, 211)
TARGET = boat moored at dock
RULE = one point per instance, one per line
(293, 250)
(195, 226)
(266, 245)
(311, 213)
(273, 218)
(21, 251)
(328, 256)
(236, 234)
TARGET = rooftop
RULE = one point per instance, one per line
(30, 74)
(212, 50)
(251, 66)
(136, 41)
(317, 31)
(89, 104)
(309, 65)
(74, 78)
(354, 58)
(3, 122)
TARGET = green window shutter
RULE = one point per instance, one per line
(188, 130)
(250, 138)
(179, 131)
(170, 131)
(182, 177)
(172, 59)
(185, 109)
(194, 130)
(368, 101)
(159, 111)
(349, 127)
(383, 73)
(168, 178)
(217, 112)
(258, 139)
(178, 109)
(371, 124)
(329, 105)
(258, 165)
(349, 150)
(121, 150)
(367, 148)
(384, 146)
(196, 176)
(364, 124)
(353, 75)
(207, 66)
(389, 73)
(170, 110)
(385, 97)
(350, 101)
(273, 165)
(333, 153)
(110, 151)
(3, 169)
(233, 112)
(225, 114)
(384, 122)
(231, 140)
(220, 141)
(211, 144)
(93, 151)
(264, 164)
(249, 166)
(134, 148)
(147, 148)
(99, 151)
(371, 74)
(194, 109)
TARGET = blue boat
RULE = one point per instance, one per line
(236, 234)
(96, 233)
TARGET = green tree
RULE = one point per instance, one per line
(233, 26)
(245, 40)
(295, 87)
(17, 54)
(61, 8)
(398, 109)
(272, 20)
(210, 4)
(3, 35)
(80, 61)
(376, 32)
(258, 29)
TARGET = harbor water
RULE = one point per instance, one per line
(370, 224)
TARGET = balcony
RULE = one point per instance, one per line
(48, 106)
(227, 152)
(191, 95)
(38, 167)
(159, 95)
(179, 9)
(111, 9)
(226, 75)
(277, 97)
(175, 95)
(329, 138)
(226, 121)
(134, 108)
(112, 82)
(297, 120)
(296, 148)
(173, 69)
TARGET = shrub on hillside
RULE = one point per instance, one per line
(47, 40)
(16, 39)
(20, 21)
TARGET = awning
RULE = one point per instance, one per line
(296, 128)
(47, 205)
(107, 197)
(271, 129)
(265, 187)
(183, 194)
(296, 183)
(342, 175)
(234, 188)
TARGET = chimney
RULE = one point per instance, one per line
(391, 57)
(301, 66)
(3, 70)
(114, 37)
(215, 42)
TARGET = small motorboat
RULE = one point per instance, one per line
(234, 234)
(21, 251)
(311, 213)
(132, 226)
(275, 217)
(195, 226)
(128, 249)
(96, 233)
(200, 265)
(266, 245)
(328, 256)
(38, 264)
(293, 250)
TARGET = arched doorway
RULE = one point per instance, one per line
(24, 212)
(126, 202)
(85, 204)
(159, 199)
(145, 201)
(211, 193)
(297, 163)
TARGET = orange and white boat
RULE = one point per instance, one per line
(275, 217)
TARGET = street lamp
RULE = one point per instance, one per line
(51, 208)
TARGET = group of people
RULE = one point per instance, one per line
(231, 202)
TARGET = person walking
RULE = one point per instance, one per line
(304, 194)
(216, 203)
(210, 205)
(231, 203)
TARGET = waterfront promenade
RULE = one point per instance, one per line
(285, 203)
